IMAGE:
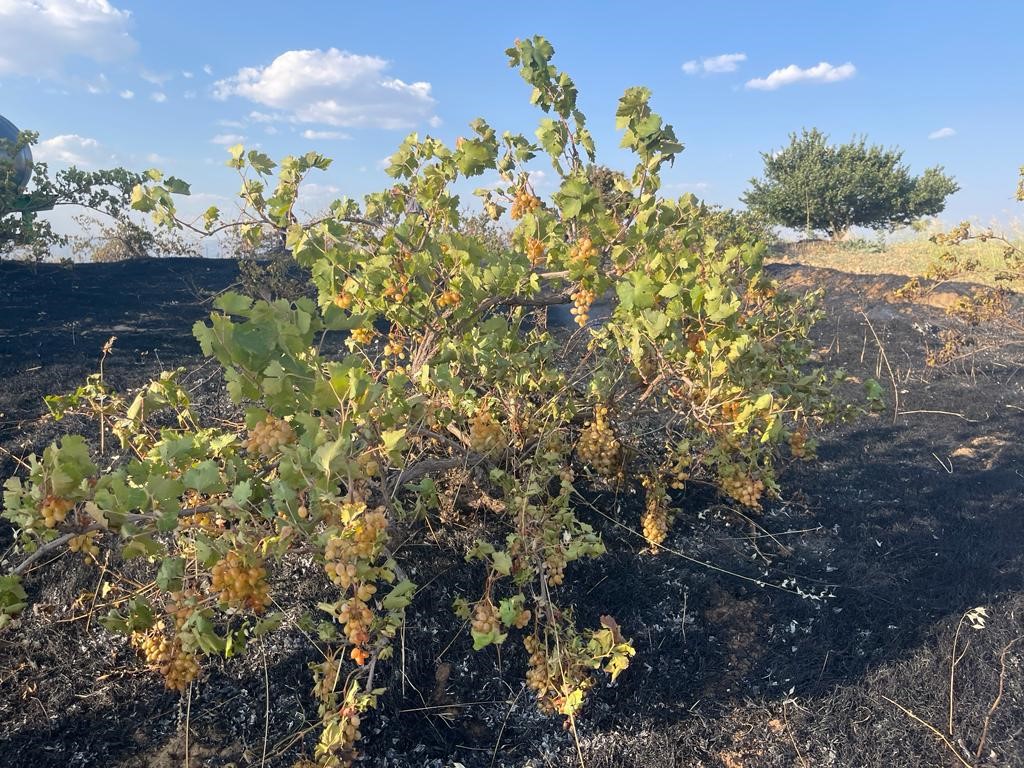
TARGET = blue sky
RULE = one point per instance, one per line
(170, 84)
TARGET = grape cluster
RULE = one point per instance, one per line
(598, 445)
(395, 290)
(395, 345)
(522, 619)
(241, 585)
(554, 566)
(744, 488)
(798, 444)
(681, 470)
(582, 251)
(485, 434)
(582, 299)
(269, 436)
(343, 299)
(449, 298)
(538, 678)
(355, 618)
(655, 519)
(361, 335)
(523, 203)
(55, 510)
(485, 618)
(86, 544)
(177, 666)
(535, 251)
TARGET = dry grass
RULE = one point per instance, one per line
(909, 257)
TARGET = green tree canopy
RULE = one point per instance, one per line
(817, 186)
(105, 191)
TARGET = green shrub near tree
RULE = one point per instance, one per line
(815, 186)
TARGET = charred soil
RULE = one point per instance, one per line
(818, 634)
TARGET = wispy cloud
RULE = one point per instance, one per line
(158, 96)
(156, 78)
(127, 94)
(819, 73)
(227, 139)
(326, 135)
(713, 65)
(942, 133)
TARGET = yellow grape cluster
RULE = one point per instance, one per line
(485, 618)
(361, 335)
(680, 470)
(582, 251)
(744, 488)
(86, 544)
(177, 666)
(523, 203)
(55, 510)
(485, 433)
(554, 566)
(598, 445)
(522, 619)
(655, 520)
(269, 436)
(798, 444)
(582, 299)
(343, 299)
(395, 345)
(449, 298)
(535, 251)
(241, 585)
(355, 618)
(538, 678)
(396, 290)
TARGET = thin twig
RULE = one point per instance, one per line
(933, 729)
(998, 698)
(892, 376)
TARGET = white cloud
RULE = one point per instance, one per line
(127, 94)
(158, 96)
(156, 159)
(326, 135)
(71, 149)
(227, 139)
(263, 117)
(332, 87)
(37, 35)
(230, 123)
(189, 95)
(207, 69)
(270, 130)
(187, 75)
(942, 133)
(714, 65)
(819, 73)
(156, 78)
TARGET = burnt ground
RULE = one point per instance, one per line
(838, 611)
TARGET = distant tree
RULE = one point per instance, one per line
(816, 186)
(105, 191)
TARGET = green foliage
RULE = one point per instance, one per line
(701, 373)
(815, 186)
(105, 191)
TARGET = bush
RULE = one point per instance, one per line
(701, 374)
(127, 240)
(815, 186)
